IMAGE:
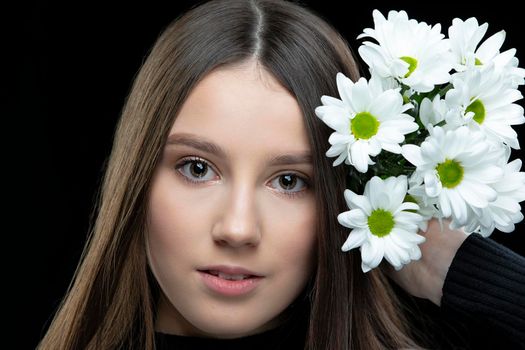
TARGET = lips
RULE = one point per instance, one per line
(230, 272)
(225, 276)
(230, 281)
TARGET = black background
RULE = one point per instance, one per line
(74, 66)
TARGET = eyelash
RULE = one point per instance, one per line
(189, 160)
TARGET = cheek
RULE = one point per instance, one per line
(173, 227)
(293, 232)
(166, 222)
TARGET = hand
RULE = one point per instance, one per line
(424, 278)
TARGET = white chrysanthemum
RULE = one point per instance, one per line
(458, 167)
(414, 53)
(505, 211)
(382, 224)
(465, 37)
(366, 120)
(485, 102)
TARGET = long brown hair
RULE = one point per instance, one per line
(111, 302)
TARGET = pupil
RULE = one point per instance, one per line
(287, 181)
(198, 169)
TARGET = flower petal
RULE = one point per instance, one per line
(477, 195)
(359, 155)
(491, 46)
(407, 206)
(372, 251)
(360, 96)
(459, 207)
(412, 153)
(433, 186)
(354, 240)
(391, 254)
(335, 117)
(354, 218)
(354, 200)
(344, 86)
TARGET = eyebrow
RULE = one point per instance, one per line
(201, 144)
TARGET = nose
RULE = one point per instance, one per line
(238, 224)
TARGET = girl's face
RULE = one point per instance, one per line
(231, 192)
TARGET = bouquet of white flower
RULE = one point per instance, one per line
(428, 135)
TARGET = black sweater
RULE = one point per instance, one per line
(485, 289)
(290, 336)
(483, 306)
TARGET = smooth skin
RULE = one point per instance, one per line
(248, 205)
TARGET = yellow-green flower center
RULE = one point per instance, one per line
(364, 125)
(450, 173)
(478, 109)
(381, 222)
(477, 62)
(412, 64)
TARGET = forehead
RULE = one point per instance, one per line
(243, 107)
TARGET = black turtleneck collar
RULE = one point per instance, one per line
(290, 336)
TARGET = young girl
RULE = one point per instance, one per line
(216, 224)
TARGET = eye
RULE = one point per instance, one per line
(195, 170)
(291, 184)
